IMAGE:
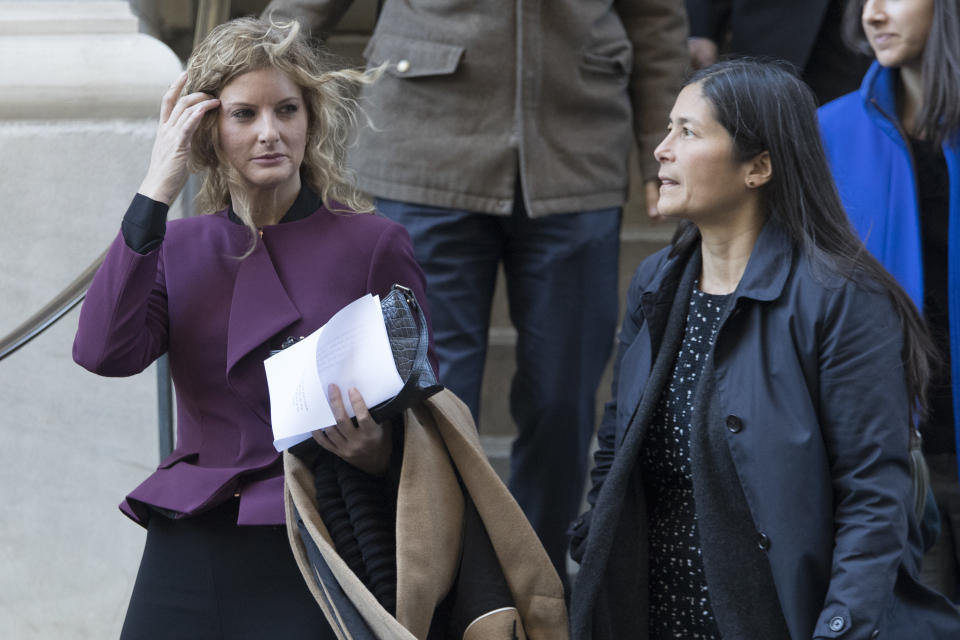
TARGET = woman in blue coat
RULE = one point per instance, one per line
(894, 147)
(752, 479)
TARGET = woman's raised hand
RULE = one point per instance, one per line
(179, 119)
(366, 445)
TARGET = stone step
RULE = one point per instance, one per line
(497, 449)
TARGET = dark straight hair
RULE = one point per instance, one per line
(766, 107)
(939, 115)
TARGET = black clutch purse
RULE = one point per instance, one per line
(409, 339)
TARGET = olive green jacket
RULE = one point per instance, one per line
(478, 93)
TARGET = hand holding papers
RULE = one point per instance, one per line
(351, 350)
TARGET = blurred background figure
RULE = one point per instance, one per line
(805, 33)
(894, 147)
(501, 135)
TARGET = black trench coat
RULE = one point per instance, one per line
(799, 454)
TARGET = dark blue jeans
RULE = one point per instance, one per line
(561, 273)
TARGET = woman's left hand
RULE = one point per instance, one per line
(366, 445)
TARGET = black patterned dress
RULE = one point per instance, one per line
(679, 598)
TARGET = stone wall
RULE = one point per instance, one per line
(79, 97)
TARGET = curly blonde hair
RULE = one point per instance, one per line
(330, 95)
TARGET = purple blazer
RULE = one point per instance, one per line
(215, 315)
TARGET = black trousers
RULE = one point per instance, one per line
(206, 578)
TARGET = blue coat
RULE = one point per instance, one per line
(874, 173)
(798, 449)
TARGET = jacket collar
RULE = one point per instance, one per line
(769, 264)
(879, 94)
(879, 88)
(306, 203)
(668, 275)
(763, 279)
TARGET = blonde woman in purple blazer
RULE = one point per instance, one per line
(265, 118)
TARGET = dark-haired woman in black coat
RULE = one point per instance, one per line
(752, 479)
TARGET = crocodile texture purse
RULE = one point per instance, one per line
(409, 339)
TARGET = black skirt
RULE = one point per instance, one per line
(207, 578)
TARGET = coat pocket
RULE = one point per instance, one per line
(615, 58)
(412, 58)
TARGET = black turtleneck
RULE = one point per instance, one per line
(145, 222)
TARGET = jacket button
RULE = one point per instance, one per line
(836, 623)
(763, 542)
(403, 66)
(734, 424)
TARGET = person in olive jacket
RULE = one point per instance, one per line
(501, 133)
(753, 475)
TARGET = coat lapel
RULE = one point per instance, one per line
(260, 309)
(666, 331)
(636, 362)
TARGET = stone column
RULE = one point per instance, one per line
(79, 97)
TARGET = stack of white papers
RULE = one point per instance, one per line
(351, 350)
